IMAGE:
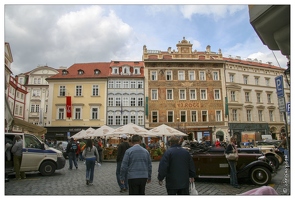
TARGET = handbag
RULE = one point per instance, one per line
(193, 190)
(232, 156)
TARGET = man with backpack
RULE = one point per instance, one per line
(72, 148)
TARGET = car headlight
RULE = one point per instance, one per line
(59, 154)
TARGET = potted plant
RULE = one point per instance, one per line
(157, 155)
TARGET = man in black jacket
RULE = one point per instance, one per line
(72, 147)
(177, 167)
(120, 154)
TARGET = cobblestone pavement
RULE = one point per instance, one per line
(72, 182)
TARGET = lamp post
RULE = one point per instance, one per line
(177, 123)
(287, 74)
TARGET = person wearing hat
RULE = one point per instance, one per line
(123, 146)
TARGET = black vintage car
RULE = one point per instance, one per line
(210, 162)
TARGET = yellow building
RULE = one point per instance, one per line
(78, 99)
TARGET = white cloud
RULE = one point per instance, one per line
(215, 11)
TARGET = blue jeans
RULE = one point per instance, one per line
(90, 163)
(125, 186)
(233, 173)
(72, 158)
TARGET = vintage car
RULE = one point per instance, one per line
(210, 162)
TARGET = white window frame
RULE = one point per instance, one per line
(182, 94)
(79, 114)
(60, 115)
(217, 95)
(170, 115)
(260, 115)
(202, 75)
(169, 94)
(249, 115)
(191, 75)
(232, 78)
(111, 84)
(111, 101)
(181, 75)
(218, 115)
(154, 76)
(194, 116)
(215, 75)
(115, 70)
(193, 94)
(95, 90)
(203, 94)
(169, 75)
(202, 115)
(79, 90)
(154, 94)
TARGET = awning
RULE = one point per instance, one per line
(32, 128)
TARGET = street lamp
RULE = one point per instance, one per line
(177, 123)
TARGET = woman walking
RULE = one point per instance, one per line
(90, 154)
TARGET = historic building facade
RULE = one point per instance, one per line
(184, 90)
(77, 99)
(125, 93)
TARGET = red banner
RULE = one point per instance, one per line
(69, 107)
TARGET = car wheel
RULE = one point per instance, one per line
(272, 160)
(281, 155)
(260, 175)
(47, 168)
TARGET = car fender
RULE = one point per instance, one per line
(246, 170)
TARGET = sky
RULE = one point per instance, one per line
(63, 34)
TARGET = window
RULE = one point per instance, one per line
(267, 81)
(77, 113)
(204, 115)
(111, 84)
(271, 116)
(95, 90)
(136, 71)
(80, 72)
(233, 95)
(118, 120)
(125, 120)
(37, 108)
(132, 84)
(132, 101)
(182, 116)
(249, 115)
(20, 110)
(256, 80)
(154, 94)
(118, 101)
(16, 109)
(61, 113)
(32, 108)
(140, 120)
(235, 115)
(217, 94)
(126, 70)
(118, 84)
(111, 101)
(268, 98)
(154, 116)
(140, 84)
(125, 84)
(192, 94)
(110, 120)
(215, 76)
(260, 115)
(125, 101)
(115, 70)
(96, 71)
(258, 98)
(132, 119)
(191, 75)
(245, 78)
(36, 93)
(170, 116)
(247, 97)
(78, 90)
(218, 116)
(168, 75)
(94, 113)
(231, 78)
(140, 101)
(194, 116)
(181, 75)
(202, 76)
(203, 94)
(169, 94)
(62, 91)
(182, 95)
(154, 75)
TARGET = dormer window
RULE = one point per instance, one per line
(96, 71)
(80, 71)
(136, 70)
(64, 72)
(115, 70)
(126, 70)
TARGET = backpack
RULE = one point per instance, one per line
(74, 147)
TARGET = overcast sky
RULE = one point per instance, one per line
(61, 35)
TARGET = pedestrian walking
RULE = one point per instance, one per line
(177, 168)
(91, 155)
(231, 148)
(138, 167)
(17, 150)
(71, 151)
(123, 146)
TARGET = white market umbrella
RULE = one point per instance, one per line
(89, 133)
(164, 130)
(129, 129)
(102, 131)
(81, 134)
